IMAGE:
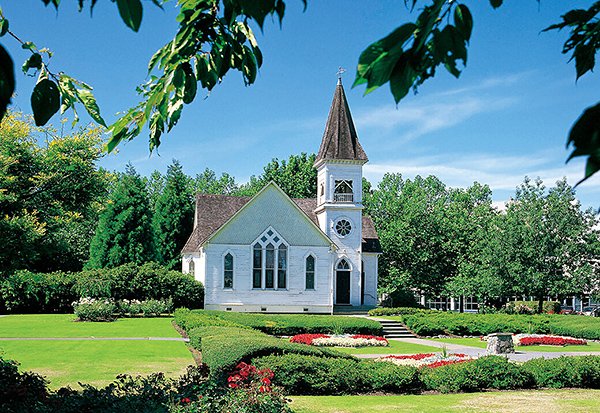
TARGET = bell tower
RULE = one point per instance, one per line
(339, 196)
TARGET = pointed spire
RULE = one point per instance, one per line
(340, 141)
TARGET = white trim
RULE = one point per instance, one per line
(338, 219)
(270, 239)
(310, 254)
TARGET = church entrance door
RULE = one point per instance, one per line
(342, 287)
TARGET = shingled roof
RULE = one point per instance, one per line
(340, 141)
(213, 211)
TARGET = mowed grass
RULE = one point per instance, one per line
(571, 401)
(475, 342)
(62, 325)
(67, 362)
(395, 347)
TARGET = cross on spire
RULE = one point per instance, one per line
(339, 74)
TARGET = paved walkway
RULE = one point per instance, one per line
(98, 338)
(477, 352)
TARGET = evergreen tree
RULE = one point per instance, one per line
(173, 216)
(125, 232)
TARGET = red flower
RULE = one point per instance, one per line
(186, 400)
(307, 338)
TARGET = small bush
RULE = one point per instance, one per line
(581, 371)
(95, 309)
(489, 372)
(313, 375)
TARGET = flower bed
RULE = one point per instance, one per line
(324, 340)
(548, 341)
(427, 359)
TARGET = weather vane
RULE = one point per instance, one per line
(339, 74)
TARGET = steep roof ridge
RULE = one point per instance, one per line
(340, 141)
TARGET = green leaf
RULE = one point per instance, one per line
(7, 80)
(463, 21)
(115, 139)
(402, 78)
(190, 84)
(3, 27)
(28, 46)
(89, 102)
(258, 9)
(585, 59)
(45, 101)
(375, 50)
(131, 13)
(496, 3)
(585, 137)
(34, 61)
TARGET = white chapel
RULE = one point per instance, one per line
(271, 253)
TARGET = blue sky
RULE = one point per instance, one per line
(507, 116)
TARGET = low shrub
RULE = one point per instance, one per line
(284, 324)
(151, 307)
(95, 309)
(27, 292)
(192, 392)
(531, 307)
(386, 311)
(313, 375)
(223, 348)
(580, 371)
(489, 372)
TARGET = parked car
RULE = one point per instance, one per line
(591, 311)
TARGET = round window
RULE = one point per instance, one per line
(343, 227)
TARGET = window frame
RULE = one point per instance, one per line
(307, 272)
(225, 270)
(277, 273)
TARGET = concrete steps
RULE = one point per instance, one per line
(393, 329)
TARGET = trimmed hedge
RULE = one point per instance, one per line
(489, 372)
(309, 375)
(383, 311)
(581, 371)
(306, 374)
(438, 322)
(223, 348)
(27, 292)
(281, 324)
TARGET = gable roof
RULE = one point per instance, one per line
(213, 211)
(340, 141)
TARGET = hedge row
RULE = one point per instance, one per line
(27, 292)
(437, 322)
(284, 324)
(383, 311)
(310, 375)
(223, 348)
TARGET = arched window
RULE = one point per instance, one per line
(228, 271)
(257, 266)
(343, 265)
(343, 191)
(191, 267)
(269, 266)
(281, 266)
(269, 262)
(310, 272)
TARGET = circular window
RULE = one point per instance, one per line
(343, 227)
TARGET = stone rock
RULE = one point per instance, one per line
(500, 343)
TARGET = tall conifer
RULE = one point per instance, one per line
(125, 232)
(173, 216)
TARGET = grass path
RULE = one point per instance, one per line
(62, 325)
(555, 401)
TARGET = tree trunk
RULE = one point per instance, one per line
(461, 303)
(540, 304)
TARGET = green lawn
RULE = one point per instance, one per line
(62, 325)
(66, 362)
(475, 342)
(571, 401)
(395, 347)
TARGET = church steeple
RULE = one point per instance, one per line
(340, 141)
